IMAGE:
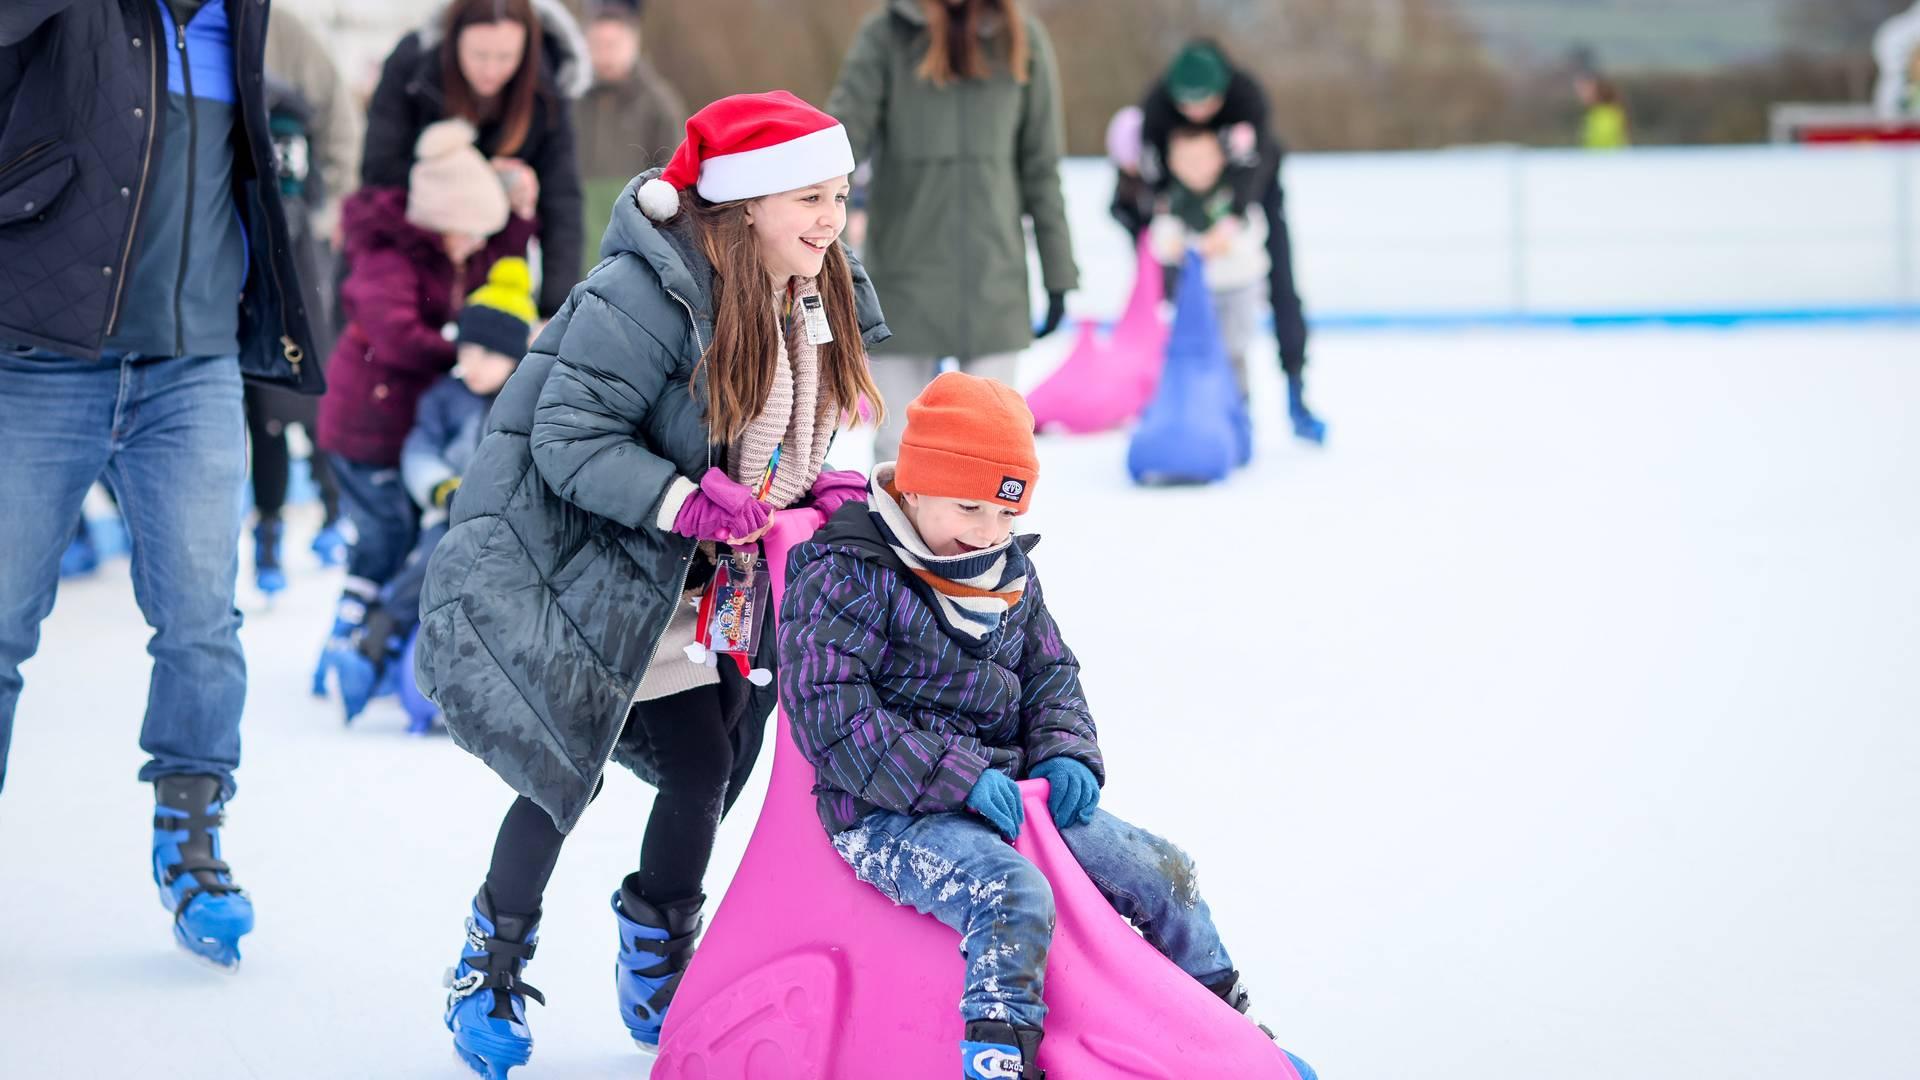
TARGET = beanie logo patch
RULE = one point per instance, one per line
(1012, 490)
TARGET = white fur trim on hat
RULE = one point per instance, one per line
(809, 159)
(658, 199)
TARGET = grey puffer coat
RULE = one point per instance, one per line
(545, 602)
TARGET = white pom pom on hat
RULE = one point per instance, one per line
(746, 146)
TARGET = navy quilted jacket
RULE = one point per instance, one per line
(895, 713)
(82, 109)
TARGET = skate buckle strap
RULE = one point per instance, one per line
(673, 951)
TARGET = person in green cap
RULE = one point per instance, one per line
(1202, 88)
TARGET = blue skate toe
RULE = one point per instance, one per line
(1305, 1070)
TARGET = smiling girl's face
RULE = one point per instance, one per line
(795, 228)
(958, 526)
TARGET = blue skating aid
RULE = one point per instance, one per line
(1196, 429)
(486, 1001)
(210, 913)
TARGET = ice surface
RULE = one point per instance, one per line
(1558, 720)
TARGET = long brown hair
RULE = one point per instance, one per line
(740, 360)
(953, 40)
(516, 104)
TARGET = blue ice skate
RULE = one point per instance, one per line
(994, 1050)
(1306, 426)
(81, 557)
(348, 618)
(210, 912)
(486, 1001)
(268, 577)
(330, 544)
(656, 943)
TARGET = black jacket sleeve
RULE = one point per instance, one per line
(1246, 104)
(562, 222)
(392, 128)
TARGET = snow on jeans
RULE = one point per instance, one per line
(956, 868)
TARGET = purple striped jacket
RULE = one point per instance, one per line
(893, 711)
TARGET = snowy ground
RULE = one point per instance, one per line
(1576, 739)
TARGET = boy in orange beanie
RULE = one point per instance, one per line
(923, 676)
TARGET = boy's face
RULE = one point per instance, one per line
(958, 526)
(1196, 161)
(483, 370)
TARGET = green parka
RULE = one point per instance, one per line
(954, 170)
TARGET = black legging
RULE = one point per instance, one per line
(694, 754)
(267, 419)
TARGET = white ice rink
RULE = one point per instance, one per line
(1577, 736)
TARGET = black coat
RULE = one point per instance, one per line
(546, 601)
(410, 97)
(82, 101)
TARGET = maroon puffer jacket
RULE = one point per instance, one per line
(399, 293)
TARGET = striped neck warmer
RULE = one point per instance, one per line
(975, 590)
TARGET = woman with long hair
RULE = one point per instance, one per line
(683, 395)
(510, 68)
(958, 103)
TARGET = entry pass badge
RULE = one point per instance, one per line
(815, 313)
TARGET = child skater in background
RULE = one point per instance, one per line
(494, 325)
(924, 675)
(1197, 212)
(414, 253)
(724, 328)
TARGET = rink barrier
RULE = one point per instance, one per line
(1507, 236)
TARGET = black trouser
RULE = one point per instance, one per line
(1289, 322)
(269, 411)
(694, 755)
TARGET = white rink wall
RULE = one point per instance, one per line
(1508, 234)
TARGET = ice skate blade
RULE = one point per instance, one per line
(224, 959)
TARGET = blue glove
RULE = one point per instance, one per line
(1072, 792)
(997, 798)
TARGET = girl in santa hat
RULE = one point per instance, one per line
(684, 394)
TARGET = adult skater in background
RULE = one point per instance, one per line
(144, 269)
(1202, 88)
(685, 394)
(957, 103)
(510, 68)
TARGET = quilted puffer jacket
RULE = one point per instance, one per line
(83, 87)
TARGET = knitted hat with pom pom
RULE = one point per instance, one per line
(452, 188)
(499, 315)
(746, 146)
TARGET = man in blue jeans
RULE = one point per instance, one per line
(144, 270)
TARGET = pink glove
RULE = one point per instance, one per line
(834, 490)
(720, 510)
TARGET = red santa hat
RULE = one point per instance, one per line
(746, 146)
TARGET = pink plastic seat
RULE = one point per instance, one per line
(1102, 385)
(808, 974)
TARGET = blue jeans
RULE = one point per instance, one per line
(384, 519)
(169, 436)
(956, 868)
(400, 597)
